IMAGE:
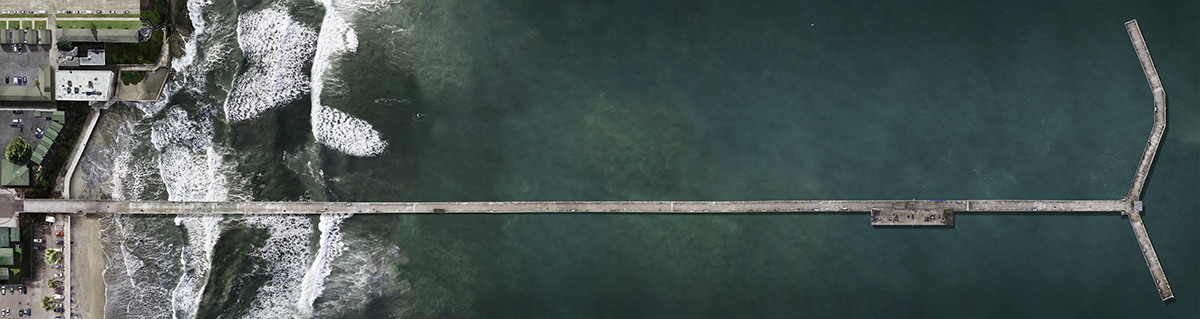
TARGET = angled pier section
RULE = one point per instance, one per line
(1139, 179)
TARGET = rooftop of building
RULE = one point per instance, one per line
(83, 85)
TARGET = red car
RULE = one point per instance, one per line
(58, 233)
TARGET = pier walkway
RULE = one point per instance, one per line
(628, 207)
(883, 212)
(1143, 171)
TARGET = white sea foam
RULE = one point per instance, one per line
(135, 265)
(276, 47)
(284, 257)
(202, 234)
(192, 168)
(332, 127)
(313, 284)
(360, 275)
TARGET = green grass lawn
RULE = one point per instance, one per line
(85, 15)
(98, 24)
(40, 25)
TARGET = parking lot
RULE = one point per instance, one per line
(30, 121)
(13, 301)
(22, 60)
(46, 236)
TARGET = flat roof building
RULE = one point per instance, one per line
(78, 85)
(94, 57)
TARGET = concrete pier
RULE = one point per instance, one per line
(593, 207)
(1139, 179)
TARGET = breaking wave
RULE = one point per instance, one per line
(277, 48)
(313, 284)
(284, 257)
(196, 259)
(361, 274)
(331, 127)
(137, 267)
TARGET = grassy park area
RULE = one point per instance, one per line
(93, 15)
(98, 24)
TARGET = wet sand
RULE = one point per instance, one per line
(87, 282)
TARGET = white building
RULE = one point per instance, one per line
(77, 85)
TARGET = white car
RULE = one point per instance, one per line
(58, 275)
(37, 240)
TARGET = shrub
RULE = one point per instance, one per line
(132, 77)
(156, 16)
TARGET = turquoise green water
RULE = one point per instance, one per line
(720, 100)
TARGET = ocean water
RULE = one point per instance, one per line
(463, 100)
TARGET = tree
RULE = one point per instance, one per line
(64, 45)
(53, 257)
(18, 151)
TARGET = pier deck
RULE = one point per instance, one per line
(1139, 179)
(629, 207)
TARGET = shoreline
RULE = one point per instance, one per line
(88, 263)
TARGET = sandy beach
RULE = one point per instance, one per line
(87, 277)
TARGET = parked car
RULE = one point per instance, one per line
(16, 125)
(59, 242)
(37, 240)
(58, 233)
(58, 310)
(58, 275)
(37, 247)
(58, 266)
(18, 112)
